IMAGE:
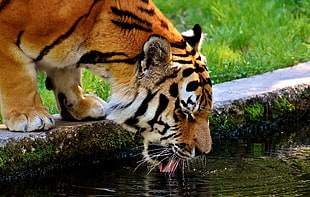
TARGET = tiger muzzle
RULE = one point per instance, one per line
(173, 157)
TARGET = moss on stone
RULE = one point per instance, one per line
(255, 112)
(281, 107)
(24, 156)
(61, 147)
(263, 111)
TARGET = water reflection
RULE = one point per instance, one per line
(261, 143)
(179, 184)
(242, 164)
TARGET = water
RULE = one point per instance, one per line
(270, 163)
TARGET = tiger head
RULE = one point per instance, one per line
(172, 102)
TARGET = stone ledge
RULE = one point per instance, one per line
(69, 144)
(262, 101)
(262, 111)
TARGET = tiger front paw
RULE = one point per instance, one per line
(90, 107)
(31, 119)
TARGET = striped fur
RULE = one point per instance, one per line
(160, 85)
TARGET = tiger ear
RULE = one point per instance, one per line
(157, 52)
(194, 37)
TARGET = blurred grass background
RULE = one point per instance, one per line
(242, 38)
(246, 37)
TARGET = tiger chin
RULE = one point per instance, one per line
(160, 84)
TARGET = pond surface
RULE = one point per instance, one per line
(269, 163)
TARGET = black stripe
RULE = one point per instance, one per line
(179, 45)
(200, 69)
(209, 98)
(123, 106)
(189, 101)
(188, 53)
(181, 55)
(178, 111)
(162, 105)
(192, 86)
(188, 72)
(206, 81)
(19, 38)
(193, 52)
(183, 61)
(164, 25)
(209, 101)
(127, 61)
(132, 121)
(166, 127)
(167, 137)
(3, 4)
(203, 97)
(141, 110)
(119, 106)
(128, 26)
(150, 12)
(145, 1)
(95, 57)
(123, 13)
(61, 38)
(184, 103)
(174, 90)
(182, 154)
(174, 135)
(144, 105)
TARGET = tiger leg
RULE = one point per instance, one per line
(21, 105)
(71, 102)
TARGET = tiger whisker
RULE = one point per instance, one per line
(158, 149)
(150, 151)
(159, 155)
(163, 153)
(151, 169)
(140, 164)
(154, 166)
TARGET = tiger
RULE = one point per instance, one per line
(161, 88)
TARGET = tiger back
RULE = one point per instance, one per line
(160, 84)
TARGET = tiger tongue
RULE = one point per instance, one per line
(169, 167)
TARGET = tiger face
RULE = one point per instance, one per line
(172, 102)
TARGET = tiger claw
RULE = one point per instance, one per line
(31, 121)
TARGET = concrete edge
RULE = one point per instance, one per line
(265, 110)
(69, 144)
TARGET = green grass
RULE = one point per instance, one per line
(246, 37)
(243, 38)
